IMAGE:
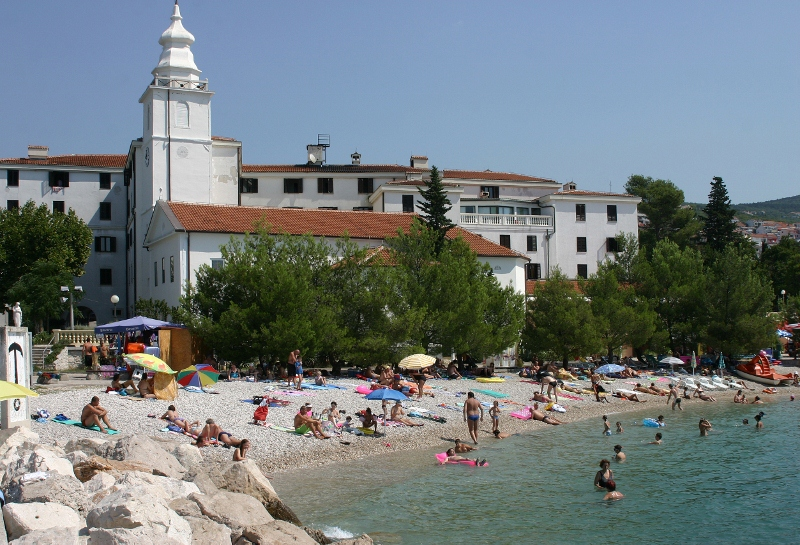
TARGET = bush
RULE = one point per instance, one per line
(43, 337)
(56, 350)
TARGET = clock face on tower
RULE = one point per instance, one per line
(147, 157)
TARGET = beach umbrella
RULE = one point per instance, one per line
(150, 362)
(784, 334)
(672, 361)
(721, 363)
(386, 393)
(416, 361)
(195, 375)
(694, 362)
(609, 368)
(9, 390)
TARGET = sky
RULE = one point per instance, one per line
(590, 92)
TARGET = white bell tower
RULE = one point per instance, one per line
(175, 160)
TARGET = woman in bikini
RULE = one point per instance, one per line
(240, 453)
(173, 418)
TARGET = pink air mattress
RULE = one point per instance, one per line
(442, 458)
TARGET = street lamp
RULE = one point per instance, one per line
(71, 300)
(114, 301)
(783, 296)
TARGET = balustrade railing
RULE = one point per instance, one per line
(74, 336)
(506, 219)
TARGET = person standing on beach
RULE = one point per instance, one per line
(290, 369)
(87, 352)
(598, 389)
(673, 392)
(494, 412)
(677, 403)
(705, 427)
(298, 370)
(473, 412)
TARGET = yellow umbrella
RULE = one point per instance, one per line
(150, 362)
(416, 361)
(9, 390)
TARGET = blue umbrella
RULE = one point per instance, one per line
(784, 334)
(609, 368)
(386, 393)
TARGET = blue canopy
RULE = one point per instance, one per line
(386, 393)
(609, 368)
(137, 323)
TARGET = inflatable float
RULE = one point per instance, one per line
(490, 379)
(442, 459)
(651, 423)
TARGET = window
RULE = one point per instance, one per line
(12, 178)
(583, 271)
(105, 277)
(611, 212)
(172, 268)
(533, 245)
(533, 271)
(536, 211)
(12, 205)
(580, 212)
(163, 271)
(611, 245)
(105, 180)
(363, 208)
(292, 185)
(217, 264)
(467, 209)
(522, 211)
(182, 115)
(490, 191)
(581, 244)
(105, 244)
(328, 208)
(324, 185)
(365, 185)
(58, 179)
(105, 210)
(506, 210)
(58, 206)
(248, 185)
(408, 203)
(505, 240)
(155, 272)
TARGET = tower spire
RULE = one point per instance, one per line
(177, 60)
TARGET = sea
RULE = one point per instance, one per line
(739, 485)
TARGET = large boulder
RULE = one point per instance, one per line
(202, 480)
(89, 445)
(49, 536)
(233, 510)
(130, 536)
(23, 518)
(317, 535)
(86, 470)
(188, 455)
(138, 448)
(165, 488)
(100, 482)
(363, 539)
(207, 532)
(56, 488)
(277, 532)
(17, 437)
(128, 509)
(246, 478)
(185, 507)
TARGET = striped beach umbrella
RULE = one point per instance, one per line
(198, 375)
(150, 362)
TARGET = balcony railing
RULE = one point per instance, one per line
(506, 219)
(177, 83)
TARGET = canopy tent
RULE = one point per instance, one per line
(137, 323)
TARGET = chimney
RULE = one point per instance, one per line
(419, 161)
(356, 158)
(38, 152)
(571, 186)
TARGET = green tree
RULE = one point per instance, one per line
(559, 321)
(718, 227)
(435, 208)
(738, 299)
(158, 309)
(781, 263)
(39, 293)
(621, 316)
(34, 233)
(667, 219)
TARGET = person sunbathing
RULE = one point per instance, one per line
(541, 397)
(398, 415)
(173, 418)
(629, 396)
(536, 414)
(643, 389)
(367, 374)
(702, 395)
(462, 447)
(146, 388)
(319, 380)
(452, 457)
(213, 432)
(386, 376)
(568, 388)
(303, 424)
(658, 391)
(95, 415)
(368, 420)
(118, 385)
(452, 372)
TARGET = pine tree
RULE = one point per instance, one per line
(719, 229)
(435, 208)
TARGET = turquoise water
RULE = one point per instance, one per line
(738, 485)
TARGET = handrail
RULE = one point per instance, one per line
(505, 219)
(74, 336)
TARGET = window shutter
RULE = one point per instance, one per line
(51, 176)
(113, 244)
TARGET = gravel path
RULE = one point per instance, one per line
(278, 451)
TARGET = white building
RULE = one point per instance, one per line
(177, 160)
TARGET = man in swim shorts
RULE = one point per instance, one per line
(452, 457)
(95, 415)
(677, 403)
(536, 414)
(473, 413)
(303, 424)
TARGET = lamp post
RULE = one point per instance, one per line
(114, 301)
(783, 296)
(71, 300)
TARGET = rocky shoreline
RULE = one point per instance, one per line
(138, 490)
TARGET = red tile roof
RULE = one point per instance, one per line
(418, 182)
(328, 168)
(490, 175)
(96, 161)
(211, 218)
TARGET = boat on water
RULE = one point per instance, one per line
(760, 370)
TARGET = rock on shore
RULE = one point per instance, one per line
(136, 490)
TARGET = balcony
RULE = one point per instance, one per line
(502, 220)
(180, 83)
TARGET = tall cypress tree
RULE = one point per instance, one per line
(719, 229)
(435, 208)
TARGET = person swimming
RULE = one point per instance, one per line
(604, 475)
(606, 426)
(759, 423)
(657, 441)
(619, 456)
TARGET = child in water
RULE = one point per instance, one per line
(619, 427)
(606, 426)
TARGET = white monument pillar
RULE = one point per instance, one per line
(14, 367)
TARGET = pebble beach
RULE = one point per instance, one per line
(277, 451)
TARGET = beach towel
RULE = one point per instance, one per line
(429, 416)
(450, 407)
(294, 393)
(79, 425)
(570, 396)
(492, 393)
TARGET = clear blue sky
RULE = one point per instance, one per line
(585, 91)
